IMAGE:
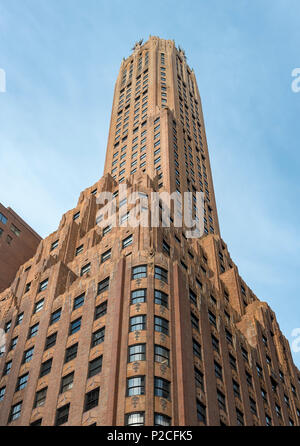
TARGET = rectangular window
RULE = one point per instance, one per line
(137, 323)
(2, 393)
(85, 269)
(19, 318)
(22, 382)
(197, 349)
(135, 419)
(199, 378)
(106, 256)
(46, 367)
(194, 321)
(98, 337)
(78, 301)
(127, 241)
(38, 306)
(166, 247)
(13, 343)
(221, 400)
(27, 356)
(79, 250)
(138, 296)
(137, 352)
(91, 399)
(161, 274)
(54, 245)
(71, 353)
(135, 386)
(161, 325)
(62, 415)
(212, 319)
(162, 355)
(193, 297)
(100, 310)
(76, 216)
(162, 388)
(67, 382)
(75, 326)
(201, 412)
(43, 285)
(95, 366)
(215, 343)
(139, 272)
(15, 412)
(161, 298)
(33, 331)
(103, 286)
(218, 371)
(3, 219)
(50, 341)
(236, 389)
(55, 316)
(40, 398)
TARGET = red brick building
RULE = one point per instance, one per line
(142, 325)
(18, 243)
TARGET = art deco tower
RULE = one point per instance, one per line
(122, 325)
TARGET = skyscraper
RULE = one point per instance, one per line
(121, 324)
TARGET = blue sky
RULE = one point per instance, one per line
(61, 59)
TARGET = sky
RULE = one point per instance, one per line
(61, 59)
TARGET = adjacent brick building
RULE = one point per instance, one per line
(142, 325)
(18, 243)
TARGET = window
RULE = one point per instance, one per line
(201, 412)
(215, 343)
(78, 301)
(228, 336)
(127, 241)
(194, 321)
(79, 249)
(135, 419)
(13, 343)
(264, 394)
(43, 285)
(259, 370)
(62, 415)
(27, 356)
(212, 318)
(33, 331)
(161, 298)
(138, 296)
(135, 386)
(103, 286)
(7, 368)
(22, 381)
(268, 420)
(162, 387)
(161, 325)
(38, 306)
(27, 287)
(85, 269)
(244, 353)
(161, 274)
(249, 379)
(199, 378)
(218, 371)
(106, 230)
(75, 326)
(55, 316)
(2, 393)
(236, 389)
(162, 355)
(253, 406)
(197, 349)
(106, 256)
(50, 341)
(40, 398)
(100, 310)
(7, 326)
(19, 318)
(46, 367)
(67, 382)
(239, 418)
(95, 366)
(137, 352)
(193, 297)
(221, 400)
(166, 247)
(54, 245)
(278, 410)
(71, 353)
(3, 219)
(98, 337)
(161, 420)
(139, 272)
(15, 412)
(137, 323)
